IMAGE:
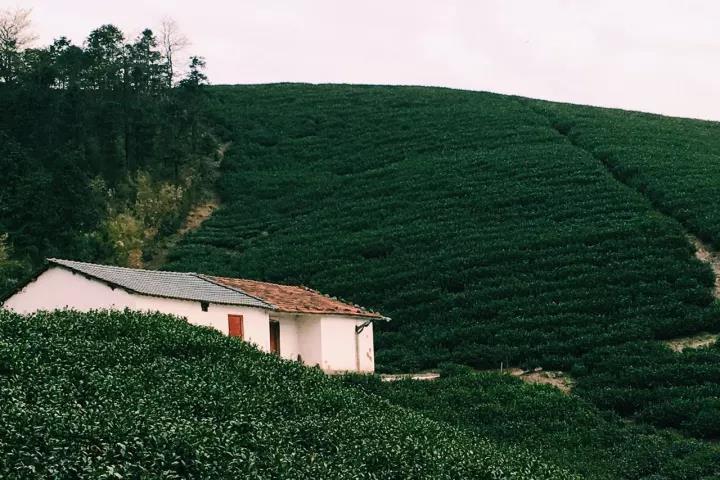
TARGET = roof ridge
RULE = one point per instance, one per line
(209, 279)
(269, 283)
(60, 260)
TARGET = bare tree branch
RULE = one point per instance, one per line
(15, 30)
(172, 42)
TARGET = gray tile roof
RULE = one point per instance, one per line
(184, 286)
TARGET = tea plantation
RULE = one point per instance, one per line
(561, 427)
(126, 395)
(492, 229)
(672, 161)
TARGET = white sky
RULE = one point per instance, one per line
(651, 55)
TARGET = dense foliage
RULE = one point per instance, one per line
(100, 151)
(464, 216)
(472, 221)
(653, 384)
(674, 162)
(561, 427)
(126, 395)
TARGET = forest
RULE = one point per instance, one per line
(103, 146)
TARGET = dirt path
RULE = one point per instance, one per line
(705, 254)
(556, 379)
(198, 215)
(394, 377)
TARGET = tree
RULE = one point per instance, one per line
(146, 72)
(190, 85)
(195, 76)
(106, 58)
(15, 36)
(172, 42)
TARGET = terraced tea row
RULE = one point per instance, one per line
(466, 217)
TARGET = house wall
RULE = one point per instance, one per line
(289, 335)
(310, 339)
(343, 349)
(59, 288)
(328, 341)
(366, 349)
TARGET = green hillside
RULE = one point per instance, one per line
(126, 395)
(673, 161)
(490, 228)
(561, 427)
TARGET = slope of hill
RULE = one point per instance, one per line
(475, 222)
(561, 427)
(126, 395)
(672, 161)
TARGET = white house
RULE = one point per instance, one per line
(294, 322)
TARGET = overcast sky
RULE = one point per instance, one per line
(651, 55)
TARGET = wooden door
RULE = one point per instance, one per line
(235, 326)
(275, 337)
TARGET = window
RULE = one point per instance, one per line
(204, 306)
(235, 326)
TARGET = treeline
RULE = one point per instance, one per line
(102, 145)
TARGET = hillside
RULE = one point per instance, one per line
(561, 427)
(126, 395)
(492, 229)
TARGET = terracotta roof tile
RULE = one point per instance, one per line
(293, 299)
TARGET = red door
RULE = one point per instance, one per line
(235, 326)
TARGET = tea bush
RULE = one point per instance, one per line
(129, 395)
(490, 228)
(464, 216)
(561, 427)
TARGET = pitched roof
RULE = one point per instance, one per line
(292, 299)
(206, 288)
(184, 286)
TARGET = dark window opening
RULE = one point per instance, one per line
(204, 306)
(275, 337)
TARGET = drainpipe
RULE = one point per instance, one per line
(358, 331)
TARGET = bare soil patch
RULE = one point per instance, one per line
(694, 341)
(557, 379)
(705, 254)
(198, 215)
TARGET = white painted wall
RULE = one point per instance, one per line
(366, 349)
(310, 339)
(343, 349)
(59, 288)
(289, 344)
(328, 341)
